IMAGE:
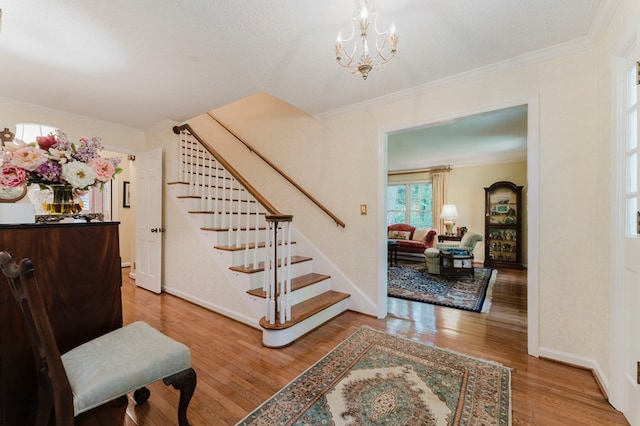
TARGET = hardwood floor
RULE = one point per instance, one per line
(236, 373)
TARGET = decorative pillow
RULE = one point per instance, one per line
(420, 234)
(398, 235)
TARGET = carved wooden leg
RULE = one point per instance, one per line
(185, 381)
(141, 395)
(44, 406)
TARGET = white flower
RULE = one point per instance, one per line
(78, 174)
(58, 155)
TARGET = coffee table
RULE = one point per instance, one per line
(456, 262)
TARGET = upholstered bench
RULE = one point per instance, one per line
(96, 376)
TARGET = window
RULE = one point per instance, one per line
(631, 151)
(410, 203)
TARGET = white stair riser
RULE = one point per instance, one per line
(209, 204)
(225, 221)
(279, 338)
(255, 280)
(310, 291)
(239, 255)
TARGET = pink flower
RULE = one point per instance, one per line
(12, 176)
(103, 167)
(46, 142)
(28, 157)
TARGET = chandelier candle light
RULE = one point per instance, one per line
(385, 42)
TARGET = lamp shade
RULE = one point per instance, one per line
(449, 212)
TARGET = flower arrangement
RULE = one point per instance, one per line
(55, 160)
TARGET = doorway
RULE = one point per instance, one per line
(529, 108)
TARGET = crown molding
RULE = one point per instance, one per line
(538, 56)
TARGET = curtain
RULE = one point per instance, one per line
(439, 187)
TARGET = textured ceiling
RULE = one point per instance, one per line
(140, 62)
(488, 138)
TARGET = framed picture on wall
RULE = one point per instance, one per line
(126, 194)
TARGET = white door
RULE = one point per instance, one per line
(148, 205)
(631, 246)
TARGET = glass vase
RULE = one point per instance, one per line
(62, 200)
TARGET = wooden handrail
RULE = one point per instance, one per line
(254, 192)
(284, 175)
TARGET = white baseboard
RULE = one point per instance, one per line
(579, 361)
(215, 308)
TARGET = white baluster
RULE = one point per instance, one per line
(216, 206)
(281, 295)
(229, 209)
(256, 235)
(223, 222)
(288, 273)
(200, 173)
(247, 220)
(239, 216)
(182, 157)
(208, 205)
(273, 265)
(192, 165)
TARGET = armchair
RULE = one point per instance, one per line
(432, 255)
(103, 369)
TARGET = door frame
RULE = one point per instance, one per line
(618, 392)
(533, 211)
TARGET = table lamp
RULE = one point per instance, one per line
(449, 214)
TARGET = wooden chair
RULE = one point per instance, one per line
(106, 368)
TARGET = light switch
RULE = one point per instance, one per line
(363, 209)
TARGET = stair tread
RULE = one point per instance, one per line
(227, 229)
(306, 309)
(213, 212)
(296, 283)
(244, 246)
(252, 269)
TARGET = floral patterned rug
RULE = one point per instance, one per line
(374, 378)
(412, 281)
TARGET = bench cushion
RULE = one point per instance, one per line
(120, 362)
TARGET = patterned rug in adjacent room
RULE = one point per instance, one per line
(373, 378)
(412, 281)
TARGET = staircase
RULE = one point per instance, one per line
(254, 244)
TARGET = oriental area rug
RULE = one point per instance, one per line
(374, 378)
(412, 281)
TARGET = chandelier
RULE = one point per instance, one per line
(357, 56)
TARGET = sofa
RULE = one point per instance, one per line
(411, 239)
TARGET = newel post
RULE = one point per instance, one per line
(277, 268)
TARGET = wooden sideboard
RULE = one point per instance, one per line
(79, 271)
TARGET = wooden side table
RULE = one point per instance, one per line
(456, 262)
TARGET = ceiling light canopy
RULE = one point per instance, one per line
(354, 53)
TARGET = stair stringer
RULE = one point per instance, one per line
(242, 282)
(359, 301)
